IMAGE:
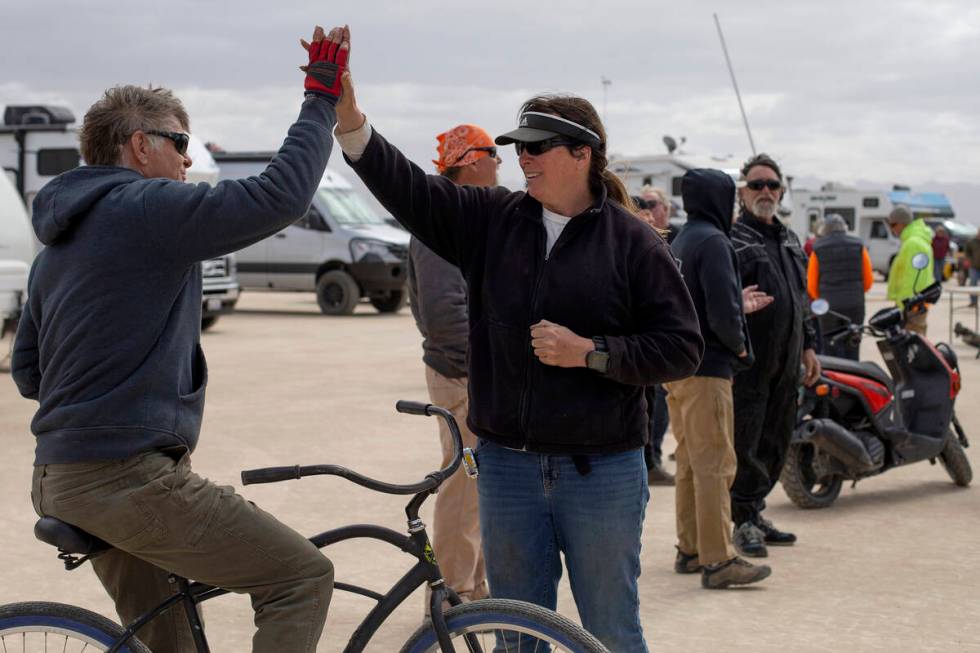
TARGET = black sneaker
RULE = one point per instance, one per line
(734, 572)
(774, 536)
(750, 541)
(686, 563)
(657, 475)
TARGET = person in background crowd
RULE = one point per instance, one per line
(701, 406)
(839, 271)
(972, 255)
(769, 255)
(904, 281)
(574, 307)
(467, 156)
(940, 248)
(659, 208)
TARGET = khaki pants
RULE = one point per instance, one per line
(703, 421)
(160, 515)
(917, 322)
(456, 523)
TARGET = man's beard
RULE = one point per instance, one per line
(764, 208)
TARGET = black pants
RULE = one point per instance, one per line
(846, 348)
(659, 420)
(765, 415)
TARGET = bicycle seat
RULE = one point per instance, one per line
(68, 538)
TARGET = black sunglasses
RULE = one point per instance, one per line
(540, 147)
(180, 139)
(759, 184)
(491, 150)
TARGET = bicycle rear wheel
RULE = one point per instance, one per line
(504, 625)
(37, 626)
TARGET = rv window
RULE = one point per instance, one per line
(870, 202)
(316, 221)
(347, 208)
(845, 212)
(675, 186)
(879, 230)
(52, 162)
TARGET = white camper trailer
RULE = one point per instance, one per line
(37, 143)
(16, 254)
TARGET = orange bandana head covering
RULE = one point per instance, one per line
(457, 146)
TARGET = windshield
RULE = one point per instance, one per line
(347, 208)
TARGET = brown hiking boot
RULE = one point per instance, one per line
(686, 563)
(734, 572)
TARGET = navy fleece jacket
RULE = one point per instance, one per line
(109, 341)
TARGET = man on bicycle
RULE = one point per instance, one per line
(109, 344)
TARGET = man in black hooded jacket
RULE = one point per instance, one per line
(701, 407)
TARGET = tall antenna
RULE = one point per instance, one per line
(606, 83)
(734, 84)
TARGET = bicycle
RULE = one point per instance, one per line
(503, 624)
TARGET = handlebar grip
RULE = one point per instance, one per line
(412, 407)
(270, 475)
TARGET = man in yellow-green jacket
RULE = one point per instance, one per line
(904, 280)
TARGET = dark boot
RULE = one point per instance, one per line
(657, 475)
(774, 536)
(750, 541)
(686, 563)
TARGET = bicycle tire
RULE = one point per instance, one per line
(37, 625)
(488, 617)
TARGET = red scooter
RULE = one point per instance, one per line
(859, 421)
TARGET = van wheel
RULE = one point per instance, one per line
(208, 322)
(337, 293)
(393, 302)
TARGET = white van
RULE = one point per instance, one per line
(866, 214)
(341, 249)
(38, 142)
(16, 254)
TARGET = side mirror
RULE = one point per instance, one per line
(819, 307)
(920, 261)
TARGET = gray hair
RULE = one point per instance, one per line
(900, 215)
(832, 224)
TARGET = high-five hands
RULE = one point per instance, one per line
(328, 56)
(557, 345)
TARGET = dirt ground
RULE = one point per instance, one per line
(894, 565)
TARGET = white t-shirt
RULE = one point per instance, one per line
(554, 223)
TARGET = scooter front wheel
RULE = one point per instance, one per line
(955, 462)
(802, 483)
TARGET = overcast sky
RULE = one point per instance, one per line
(849, 91)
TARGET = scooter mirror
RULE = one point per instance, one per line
(819, 306)
(920, 261)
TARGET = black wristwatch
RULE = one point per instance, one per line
(598, 360)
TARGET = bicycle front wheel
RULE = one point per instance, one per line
(30, 627)
(503, 625)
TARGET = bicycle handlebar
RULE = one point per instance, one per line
(430, 482)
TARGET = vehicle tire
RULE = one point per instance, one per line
(35, 626)
(393, 302)
(954, 459)
(801, 483)
(208, 321)
(526, 623)
(337, 293)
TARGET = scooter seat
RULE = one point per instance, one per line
(68, 538)
(859, 368)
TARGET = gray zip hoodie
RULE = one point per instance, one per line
(109, 341)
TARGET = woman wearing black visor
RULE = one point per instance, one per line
(575, 306)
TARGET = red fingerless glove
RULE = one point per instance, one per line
(327, 63)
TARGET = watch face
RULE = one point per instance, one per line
(597, 360)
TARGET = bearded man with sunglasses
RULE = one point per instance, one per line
(468, 157)
(109, 344)
(783, 339)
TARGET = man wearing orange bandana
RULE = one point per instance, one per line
(437, 290)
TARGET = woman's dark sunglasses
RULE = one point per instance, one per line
(180, 140)
(759, 184)
(540, 147)
(491, 150)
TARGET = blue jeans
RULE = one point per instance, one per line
(534, 507)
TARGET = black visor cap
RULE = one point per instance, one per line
(535, 126)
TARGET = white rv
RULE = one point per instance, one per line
(16, 254)
(341, 249)
(666, 170)
(866, 214)
(37, 143)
